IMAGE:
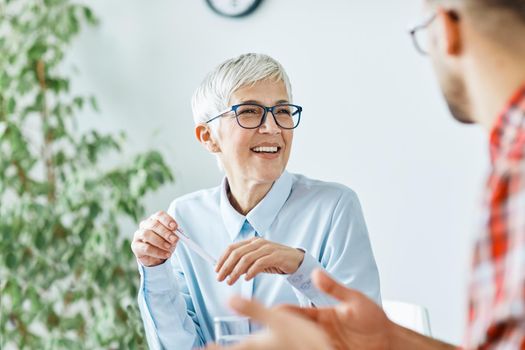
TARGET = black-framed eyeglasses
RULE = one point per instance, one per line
(253, 115)
(419, 37)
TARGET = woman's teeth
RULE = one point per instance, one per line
(265, 149)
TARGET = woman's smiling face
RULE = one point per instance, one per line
(255, 155)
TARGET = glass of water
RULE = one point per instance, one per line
(231, 329)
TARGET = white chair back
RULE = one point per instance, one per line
(411, 316)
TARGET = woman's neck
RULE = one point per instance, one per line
(244, 196)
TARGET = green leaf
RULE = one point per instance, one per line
(40, 241)
(52, 319)
(10, 260)
(100, 278)
(90, 17)
(79, 102)
(4, 81)
(94, 104)
(11, 106)
(37, 51)
(72, 323)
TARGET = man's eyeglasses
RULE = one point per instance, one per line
(419, 37)
(252, 115)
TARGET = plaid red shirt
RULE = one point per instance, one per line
(496, 317)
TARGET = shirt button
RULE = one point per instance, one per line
(297, 278)
(306, 285)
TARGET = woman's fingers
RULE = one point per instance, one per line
(244, 263)
(165, 219)
(142, 249)
(259, 266)
(235, 255)
(227, 253)
(255, 256)
(153, 224)
(154, 241)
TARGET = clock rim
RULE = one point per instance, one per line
(242, 14)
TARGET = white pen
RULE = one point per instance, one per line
(193, 246)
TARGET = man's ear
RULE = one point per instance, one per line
(205, 137)
(451, 30)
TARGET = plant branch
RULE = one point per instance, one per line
(15, 319)
(47, 149)
(21, 175)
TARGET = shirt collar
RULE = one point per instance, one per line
(507, 125)
(264, 213)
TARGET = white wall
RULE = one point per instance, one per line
(374, 120)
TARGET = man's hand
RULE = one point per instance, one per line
(254, 256)
(154, 241)
(287, 330)
(356, 323)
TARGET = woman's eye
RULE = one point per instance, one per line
(283, 112)
(248, 111)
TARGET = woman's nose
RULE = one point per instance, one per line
(269, 125)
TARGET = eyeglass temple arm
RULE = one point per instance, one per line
(220, 115)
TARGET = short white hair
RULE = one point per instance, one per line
(214, 93)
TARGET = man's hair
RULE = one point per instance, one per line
(512, 7)
(214, 93)
(503, 21)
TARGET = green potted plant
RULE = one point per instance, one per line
(68, 279)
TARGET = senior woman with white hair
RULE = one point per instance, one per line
(269, 225)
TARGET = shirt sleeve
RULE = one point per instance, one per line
(166, 308)
(348, 256)
(304, 288)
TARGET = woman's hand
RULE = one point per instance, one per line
(254, 256)
(154, 241)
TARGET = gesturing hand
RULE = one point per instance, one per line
(257, 255)
(154, 241)
(287, 330)
(356, 323)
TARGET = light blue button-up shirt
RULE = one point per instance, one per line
(179, 299)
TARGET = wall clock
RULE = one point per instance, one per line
(233, 8)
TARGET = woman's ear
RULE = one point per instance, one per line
(205, 137)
